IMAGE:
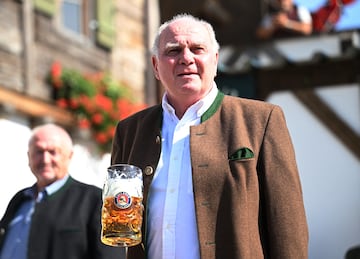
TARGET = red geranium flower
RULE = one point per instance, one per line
(56, 74)
(73, 103)
(97, 118)
(62, 103)
(103, 102)
(56, 70)
(101, 137)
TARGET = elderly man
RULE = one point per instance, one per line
(58, 217)
(220, 176)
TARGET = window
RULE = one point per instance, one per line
(92, 19)
(72, 15)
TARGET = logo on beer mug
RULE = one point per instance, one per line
(122, 200)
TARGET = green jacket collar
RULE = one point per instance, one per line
(214, 107)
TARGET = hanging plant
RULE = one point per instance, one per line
(97, 100)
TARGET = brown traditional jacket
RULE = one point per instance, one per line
(248, 196)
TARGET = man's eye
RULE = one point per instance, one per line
(39, 152)
(172, 51)
(198, 49)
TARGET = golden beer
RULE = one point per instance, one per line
(121, 221)
(122, 210)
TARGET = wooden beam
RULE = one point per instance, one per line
(330, 119)
(327, 73)
(35, 107)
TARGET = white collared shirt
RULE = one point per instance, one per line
(172, 228)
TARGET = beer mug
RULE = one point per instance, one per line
(121, 215)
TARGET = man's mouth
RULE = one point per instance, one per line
(187, 74)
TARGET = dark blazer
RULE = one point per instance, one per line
(248, 197)
(64, 226)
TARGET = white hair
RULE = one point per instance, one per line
(53, 129)
(208, 26)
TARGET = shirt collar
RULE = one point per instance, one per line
(198, 108)
(50, 189)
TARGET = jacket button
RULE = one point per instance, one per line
(2, 231)
(149, 170)
(158, 140)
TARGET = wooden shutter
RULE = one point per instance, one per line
(45, 6)
(105, 34)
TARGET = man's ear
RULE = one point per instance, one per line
(154, 62)
(216, 63)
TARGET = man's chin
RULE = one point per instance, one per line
(46, 177)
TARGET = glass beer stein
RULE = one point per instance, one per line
(122, 210)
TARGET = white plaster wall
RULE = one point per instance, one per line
(330, 174)
(14, 173)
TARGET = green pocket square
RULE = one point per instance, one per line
(242, 153)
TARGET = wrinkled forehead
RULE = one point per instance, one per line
(185, 26)
(45, 141)
(45, 138)
(185, 30)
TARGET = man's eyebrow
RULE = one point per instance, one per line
(171, 45)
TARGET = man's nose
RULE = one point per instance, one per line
(187, 57)
(46, 156)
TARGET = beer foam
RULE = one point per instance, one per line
(131, 186)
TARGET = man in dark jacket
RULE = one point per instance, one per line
(58, 217)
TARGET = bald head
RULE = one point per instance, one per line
(50, 152)
(52, 130)
(191, 19)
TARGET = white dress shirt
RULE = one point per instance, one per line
(172, 227)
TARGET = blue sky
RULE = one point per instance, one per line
(350, 18)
